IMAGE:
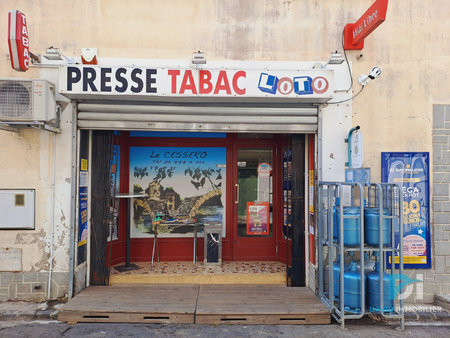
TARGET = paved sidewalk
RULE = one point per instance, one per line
(49, 311)
(29, 310)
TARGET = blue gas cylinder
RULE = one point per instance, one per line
(373, 291)
(336, 279)
(352, 286)
(352, 225)
(372, 226)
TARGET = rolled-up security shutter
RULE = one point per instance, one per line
(191, 117)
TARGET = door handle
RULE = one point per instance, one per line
(237, 194)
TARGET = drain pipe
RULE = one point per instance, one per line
(73, 216)
(52, 231)
(349, 141)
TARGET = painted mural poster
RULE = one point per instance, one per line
(257, 218)
(185, 186)
(411, 171)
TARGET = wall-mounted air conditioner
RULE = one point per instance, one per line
(27, 100)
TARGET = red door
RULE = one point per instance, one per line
(255, 204)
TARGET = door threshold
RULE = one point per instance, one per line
(236, 272)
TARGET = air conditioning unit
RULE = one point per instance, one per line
(27, 100)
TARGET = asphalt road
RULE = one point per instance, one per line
(49, 329)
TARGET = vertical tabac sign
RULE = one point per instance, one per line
(18, 41)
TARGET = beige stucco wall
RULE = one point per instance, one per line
(394, 111)
(411, 47)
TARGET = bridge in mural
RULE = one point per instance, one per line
(188, 207)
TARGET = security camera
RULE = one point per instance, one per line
(375, 72)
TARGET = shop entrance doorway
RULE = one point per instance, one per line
(238, 180)
(254, 226)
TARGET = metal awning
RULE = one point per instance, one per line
(209, 117)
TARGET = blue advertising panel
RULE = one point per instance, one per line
(82, 227)
(411, 171)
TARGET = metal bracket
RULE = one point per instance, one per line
(7, 127)
(16, 126)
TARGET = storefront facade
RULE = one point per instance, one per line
(207, 144)
(211, 141)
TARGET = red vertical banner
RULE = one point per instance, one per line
(18, 41)
(311, 232)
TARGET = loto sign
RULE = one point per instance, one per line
(18, 41)
(355, 33)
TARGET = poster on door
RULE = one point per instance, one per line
(264, 171)
(411, 171)
(257, 218)
(184, 188)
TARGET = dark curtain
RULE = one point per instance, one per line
(298, 211)
(102, 153)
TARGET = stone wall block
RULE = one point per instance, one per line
(428, 298)
(54, 291)
(441, 189)
(442, 249)
(446, 156)
(60, 278)
(440, 198)
(444, 278)
(62, 291)
(441, 218)
(431, 288)
(13, 291)
(439, 116)
(42, 277)
(18, 277)
(29, 277)
(440, 139)
(441, 132)
(442, 206)
(438, 177)
(439, 264)
(441, 168)
(23, 288)
(437, 154)
(6, 278)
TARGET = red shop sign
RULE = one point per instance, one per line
(355, 33)
(18, 41)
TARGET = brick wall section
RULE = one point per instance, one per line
(32, 286)
(440, 219)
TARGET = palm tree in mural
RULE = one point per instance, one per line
(200, 176)
(140, 172)
(162, 173)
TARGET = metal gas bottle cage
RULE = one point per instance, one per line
(383, 196)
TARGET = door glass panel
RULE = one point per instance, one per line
(254, 193)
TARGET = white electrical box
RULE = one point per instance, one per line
(17, 208)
